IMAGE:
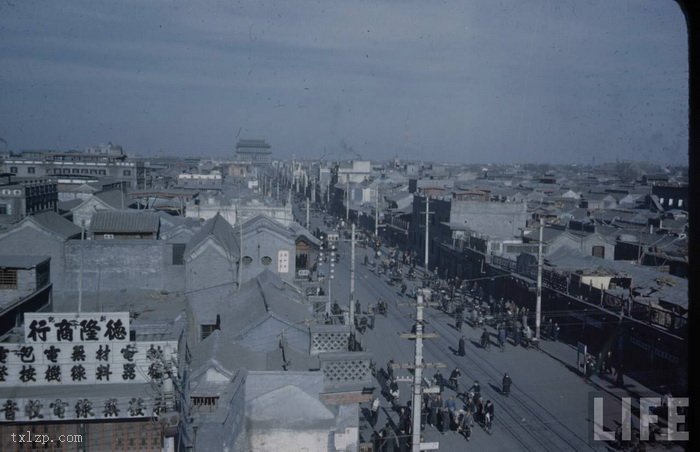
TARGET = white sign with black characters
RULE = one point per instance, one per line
(283, 261)
(77, 408)
(70, 327)
(79, 363)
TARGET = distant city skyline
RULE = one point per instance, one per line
(489, 82)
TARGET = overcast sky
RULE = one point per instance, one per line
(483, 81)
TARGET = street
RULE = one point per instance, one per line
(548, 408)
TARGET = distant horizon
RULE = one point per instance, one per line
(384, 160)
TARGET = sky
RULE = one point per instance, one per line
(482, 81)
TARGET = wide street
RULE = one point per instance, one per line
(548, 408)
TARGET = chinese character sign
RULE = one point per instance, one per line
(75, 363)
(74, 408)
(60, 327)
(283, 261)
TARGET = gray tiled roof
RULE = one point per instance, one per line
(57, 224)
(115, 198)
(125, 221)
(221, 230)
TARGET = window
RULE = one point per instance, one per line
(13, 169)
(178, 254)
(109, 236)
(599, 251)
(3, 209)
(127, 172)
(76, 171)
(670, 202)
(661, 201)
(31, 170)
(8, 278)
(84, 171)
(207, 329)
(266, 260)
(680, 203)
(102, 172)
(247, 260)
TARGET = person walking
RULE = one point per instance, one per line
(461, 351)
(502, 336)
(375, 411)
(488, 415)
(465, 424)
(485, 339)
(451, 411)
(444, 420)
(506, 384)
(433, 412)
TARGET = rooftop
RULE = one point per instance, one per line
(25, 262)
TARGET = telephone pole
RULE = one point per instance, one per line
(418, 366)
(427, 229)
(376, 215)
(307, 213)
(352, 278)
(82, 260)
(347, 200)
(538, 310)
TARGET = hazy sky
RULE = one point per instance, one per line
(471, 81)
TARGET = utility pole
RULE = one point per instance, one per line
(418, 366)
(427, 227)
(82, 259)
(307, 213)
(240, 265)
(376, 215)
(347, 199)
(538, 310)
(278, 189)
(352, 278)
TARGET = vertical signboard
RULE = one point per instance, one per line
(283, 261)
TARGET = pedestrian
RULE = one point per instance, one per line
(518, 333)
(444, 419)
(405, 421)
(375, 411)
(461, 346)
(451, 410)
(488, 414)
(388, 438)
(502, 337)
(608, 362)
(394, 392)
(556, 332)
(390, 369)
(476, 388)
(465, 424)
(550, 329)
(506, 384)
(433, 411)
(619, 380)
